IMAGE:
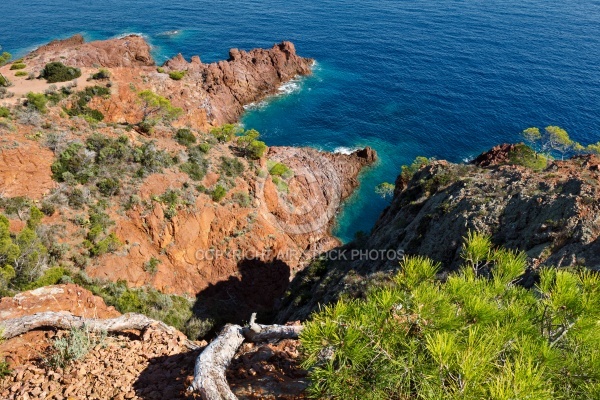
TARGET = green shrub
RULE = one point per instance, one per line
(231, 166)
(109, 186)
(225, 133)
(219, 193)
(4, 112)
(101, 74)
(80, 106)
(171, 309)
(21, 73)
(281, 185)
(279, 169)
(527, 157)
(51, 276)
(204, 147)
(256, 149)
(4, 369)
(475, 335)
(58, 72)
(177, 75)
(48, 208)
(74, 346)
(185, 137)
(151, 266)
(242, 198)
(4, 58)
(4, 83)
(109, 244)
(37, 101)
(409, 170)
(196, 171)
(160, 70)
(18, 66)
(23, 256)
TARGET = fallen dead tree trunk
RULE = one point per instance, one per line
(211, 365)
(10, 328)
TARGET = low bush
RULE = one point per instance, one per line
(204, 147)
(101, 74)
(219, 193)
(527, 157)
(80, 106)
(151, 266)
(21, 73)
(58, 72)
(177, 75)
(17, 66)
(73, 346)
(475, 335)
(171, 309)
(185, 137)
(196, 171)
(51, 276)
(4, 112)
(37, 101)
(243, 199)
(231, 166)
(279, 169)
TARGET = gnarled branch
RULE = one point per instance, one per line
(212, 363)
(12, 327)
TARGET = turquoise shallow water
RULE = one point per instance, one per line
(447, 79)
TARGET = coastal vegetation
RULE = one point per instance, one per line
(155, 108)
(475, 334)
(55, 72)
(177, 75)
(556, 140)
(17, 65)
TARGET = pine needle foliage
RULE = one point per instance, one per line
(476, 335)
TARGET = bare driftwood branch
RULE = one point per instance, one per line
(212, 363)
(10, 328)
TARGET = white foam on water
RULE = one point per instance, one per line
(123, 35)
(345, 150)
(256, 105)
(169, 33)
(289, 87)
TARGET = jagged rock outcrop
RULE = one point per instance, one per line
(553, 215)
(244, 78)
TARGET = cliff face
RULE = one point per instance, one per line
(213, 242)
(552, 215)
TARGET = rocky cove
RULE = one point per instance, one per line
(129, 206)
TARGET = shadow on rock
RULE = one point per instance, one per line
(257, 287)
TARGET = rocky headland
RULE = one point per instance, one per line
(551, 214)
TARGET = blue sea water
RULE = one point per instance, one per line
(445, 78)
